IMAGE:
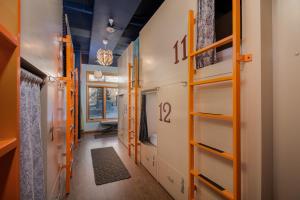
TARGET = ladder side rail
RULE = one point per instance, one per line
(129, 109)
(136, 85)
(236, 97)
(191, 21)
(68, 120)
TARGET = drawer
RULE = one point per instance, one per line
(172, 181)
(148, 159)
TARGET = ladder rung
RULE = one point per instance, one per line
(213, 150)
(212, 116)
(132, 144)
(214, 45)
(213, 80)
(71, 146)
(213, 185)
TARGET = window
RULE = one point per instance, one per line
(101, 103)
(111, 103)
(106, 78)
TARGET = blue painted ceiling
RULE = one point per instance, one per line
(88, 20)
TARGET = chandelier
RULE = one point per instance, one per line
(104, 56)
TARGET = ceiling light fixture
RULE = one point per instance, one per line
(110, 26)
(105, 56)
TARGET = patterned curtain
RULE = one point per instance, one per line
(205, 32)
(32, 166)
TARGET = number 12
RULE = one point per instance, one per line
(165, 108)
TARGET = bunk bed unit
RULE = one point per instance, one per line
(10, 101)
(233, 118)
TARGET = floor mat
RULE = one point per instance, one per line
(107, 165)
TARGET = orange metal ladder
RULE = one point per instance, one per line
(234, 119)
(132, 134)
(71, 80)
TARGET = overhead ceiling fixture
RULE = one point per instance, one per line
(105, 56)
(111, 26)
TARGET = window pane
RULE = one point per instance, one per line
(112, 79)
(104, 78)
(91, 77)
(111, 103)
(95, 103)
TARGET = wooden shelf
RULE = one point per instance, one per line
(8, 43)
(7, 40)
(6, 145)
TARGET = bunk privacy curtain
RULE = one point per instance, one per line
(32, 165)
(143, 122)
(206, 34)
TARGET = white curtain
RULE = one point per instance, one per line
(32, 166)
(205, 32)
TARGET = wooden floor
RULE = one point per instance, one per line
(141, 185)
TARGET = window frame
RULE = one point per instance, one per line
(99, 82)
(104, 87)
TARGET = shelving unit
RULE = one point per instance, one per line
(233, 119)
(133, 134)
(7, 145)
(9, 104)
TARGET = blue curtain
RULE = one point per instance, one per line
(205, 32)
(32, 165)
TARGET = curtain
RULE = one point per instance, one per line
(143, 122)
(205, 32)
(32, 165)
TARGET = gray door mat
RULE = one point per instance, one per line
(107, 165)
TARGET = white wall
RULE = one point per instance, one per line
(286, 41)
(91, 126)
(41, 27)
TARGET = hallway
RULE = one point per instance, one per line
(141, 185)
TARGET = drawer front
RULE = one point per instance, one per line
(172, 181)
(148, 158)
